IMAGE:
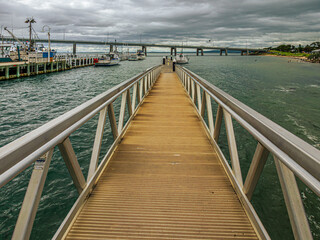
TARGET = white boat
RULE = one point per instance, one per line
(133, 57)
(182, 59)
(5, 52)
(109, 59)
(141, 55)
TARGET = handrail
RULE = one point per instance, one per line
(37, 146)
(292, 156)
(294, 150)
(19, 150)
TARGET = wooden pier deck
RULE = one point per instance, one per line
(165, 180)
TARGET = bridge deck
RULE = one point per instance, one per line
(165, 180)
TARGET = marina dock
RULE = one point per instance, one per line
(164, 176)
(10, 70)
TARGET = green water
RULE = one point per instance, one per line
(287, 93)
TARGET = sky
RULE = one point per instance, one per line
(227, 23)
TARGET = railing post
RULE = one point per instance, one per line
(141, 88)
(129, 105)
(134, 96)
(192, 91)
(146, 84)
(122, 111)
(203, 103)
(189, 86)
(233, 147)
(113, 122)
(297, 215)
(97, 143)
(258, 161)
(199, 98)
(72, 164)
(32, 197)
(217, 126)
(209, 113)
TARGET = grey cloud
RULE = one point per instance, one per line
(234, 23)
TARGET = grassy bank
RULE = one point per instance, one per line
(288, 54)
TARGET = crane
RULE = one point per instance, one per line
(23, 45)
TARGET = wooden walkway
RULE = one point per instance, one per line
(164, 180)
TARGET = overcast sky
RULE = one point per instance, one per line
(236, 23)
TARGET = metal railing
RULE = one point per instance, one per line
(38, 145)
(292, 156)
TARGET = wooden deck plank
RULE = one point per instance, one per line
(165, 180)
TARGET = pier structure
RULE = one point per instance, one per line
(10, 70)
(144, 49)
(225, 50)
(173, 51)
(149, 45)
(244, 52)
(165, 176)
(200, 50)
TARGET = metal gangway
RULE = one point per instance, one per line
(164, 177)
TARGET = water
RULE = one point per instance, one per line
(287, 93)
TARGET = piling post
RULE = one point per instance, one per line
(28, 69)
(51, 66)
(37, 68)
(18, 71)
(45, 67)
(7, 72)
(74, 50)
(57, 66)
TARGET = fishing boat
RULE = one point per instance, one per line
(40, 54)
(133, 57)
(141, 55)
(182, 59)
(5, 52)
(109, 59)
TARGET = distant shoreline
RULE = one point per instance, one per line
(301, 58)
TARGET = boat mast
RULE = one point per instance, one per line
(30, 21)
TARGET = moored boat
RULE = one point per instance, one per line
(141, 55)
(109, 59)
(133, 57)
(182, 59)
(5, 52)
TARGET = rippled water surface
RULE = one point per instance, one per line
(286, 92)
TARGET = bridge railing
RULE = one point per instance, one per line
(37, 146)
(292, 156)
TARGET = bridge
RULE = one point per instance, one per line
(165, 176)
(173, 47)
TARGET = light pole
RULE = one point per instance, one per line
(49, 51)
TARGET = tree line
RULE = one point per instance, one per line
(300, 49)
